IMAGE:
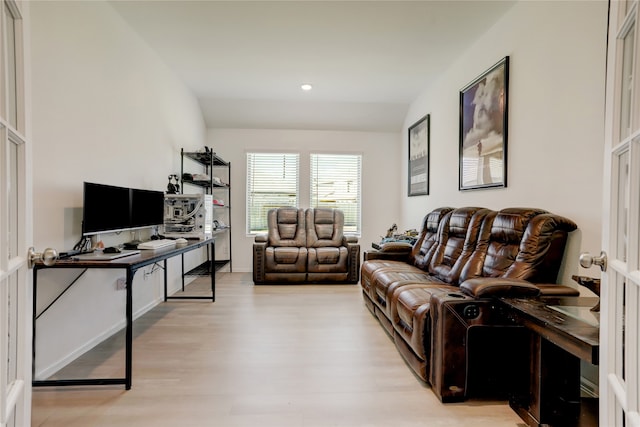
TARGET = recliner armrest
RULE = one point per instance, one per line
(488, 287)
(259, 249)
(555, 290)
(390, 256)
(349, 239)
(261, 238)
(396, 247)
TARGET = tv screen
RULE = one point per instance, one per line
(147, 208)
(106, 208)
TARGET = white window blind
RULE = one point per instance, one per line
(335, 183)
(272, 182)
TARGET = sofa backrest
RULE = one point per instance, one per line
(324, 227)
(424, 246)
(286, 227)
(456, 240)
(520, 243)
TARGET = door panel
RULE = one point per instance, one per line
(15, 207)
(620, 292)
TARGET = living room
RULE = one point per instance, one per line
(107, 109)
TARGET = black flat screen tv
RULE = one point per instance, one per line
(110, 209)
(106, 209)
(147, 208)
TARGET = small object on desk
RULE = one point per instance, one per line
(158, 244)
(67, 254)
(180, 243)
(111, 250)
(104, 256)
(133, 244)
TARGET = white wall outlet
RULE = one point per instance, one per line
(121, 284)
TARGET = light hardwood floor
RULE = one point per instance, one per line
(303, 356)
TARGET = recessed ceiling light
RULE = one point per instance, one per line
(306, 87)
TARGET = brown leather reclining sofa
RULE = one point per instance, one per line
(469, 255)
(305, 246)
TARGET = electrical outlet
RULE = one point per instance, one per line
(121, 284)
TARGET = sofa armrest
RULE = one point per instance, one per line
(394, 251)
(555, 290)
(488, 287)
(396, 247)
(261, 238)
(259, 262)
(354, 262)
(346, 239)
(391, 256)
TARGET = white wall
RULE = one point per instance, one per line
(556, 119)
(380, 169)
(106, 110)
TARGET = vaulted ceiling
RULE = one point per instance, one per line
(367, 60)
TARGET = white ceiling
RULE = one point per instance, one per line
(367, 60)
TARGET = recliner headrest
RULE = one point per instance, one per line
(510, 224)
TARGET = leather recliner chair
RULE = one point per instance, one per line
(305, 247)
(333, 257)
(281, 255)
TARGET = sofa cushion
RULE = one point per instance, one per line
(285, 260)
(385, 278)
(286, 255)
(424, 246)
(328, 255)
(324, 227)
(286, 227)
(410, 314)
(457, 239)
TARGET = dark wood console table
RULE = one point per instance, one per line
(131, 264)
(563, 332)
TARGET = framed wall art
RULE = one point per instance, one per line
(483, 129)
(418, 183)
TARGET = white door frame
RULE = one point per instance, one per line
(620, 288)
(16, 214)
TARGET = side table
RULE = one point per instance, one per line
(477, 348)
(564, 331)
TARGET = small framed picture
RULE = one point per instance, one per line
(418, 183)
(483, 129)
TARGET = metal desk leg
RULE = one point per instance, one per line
(129, 333)
(213, 271)
(33, 325)
(165, 278)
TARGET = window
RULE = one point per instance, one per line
(272, 182)
(335, 183)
